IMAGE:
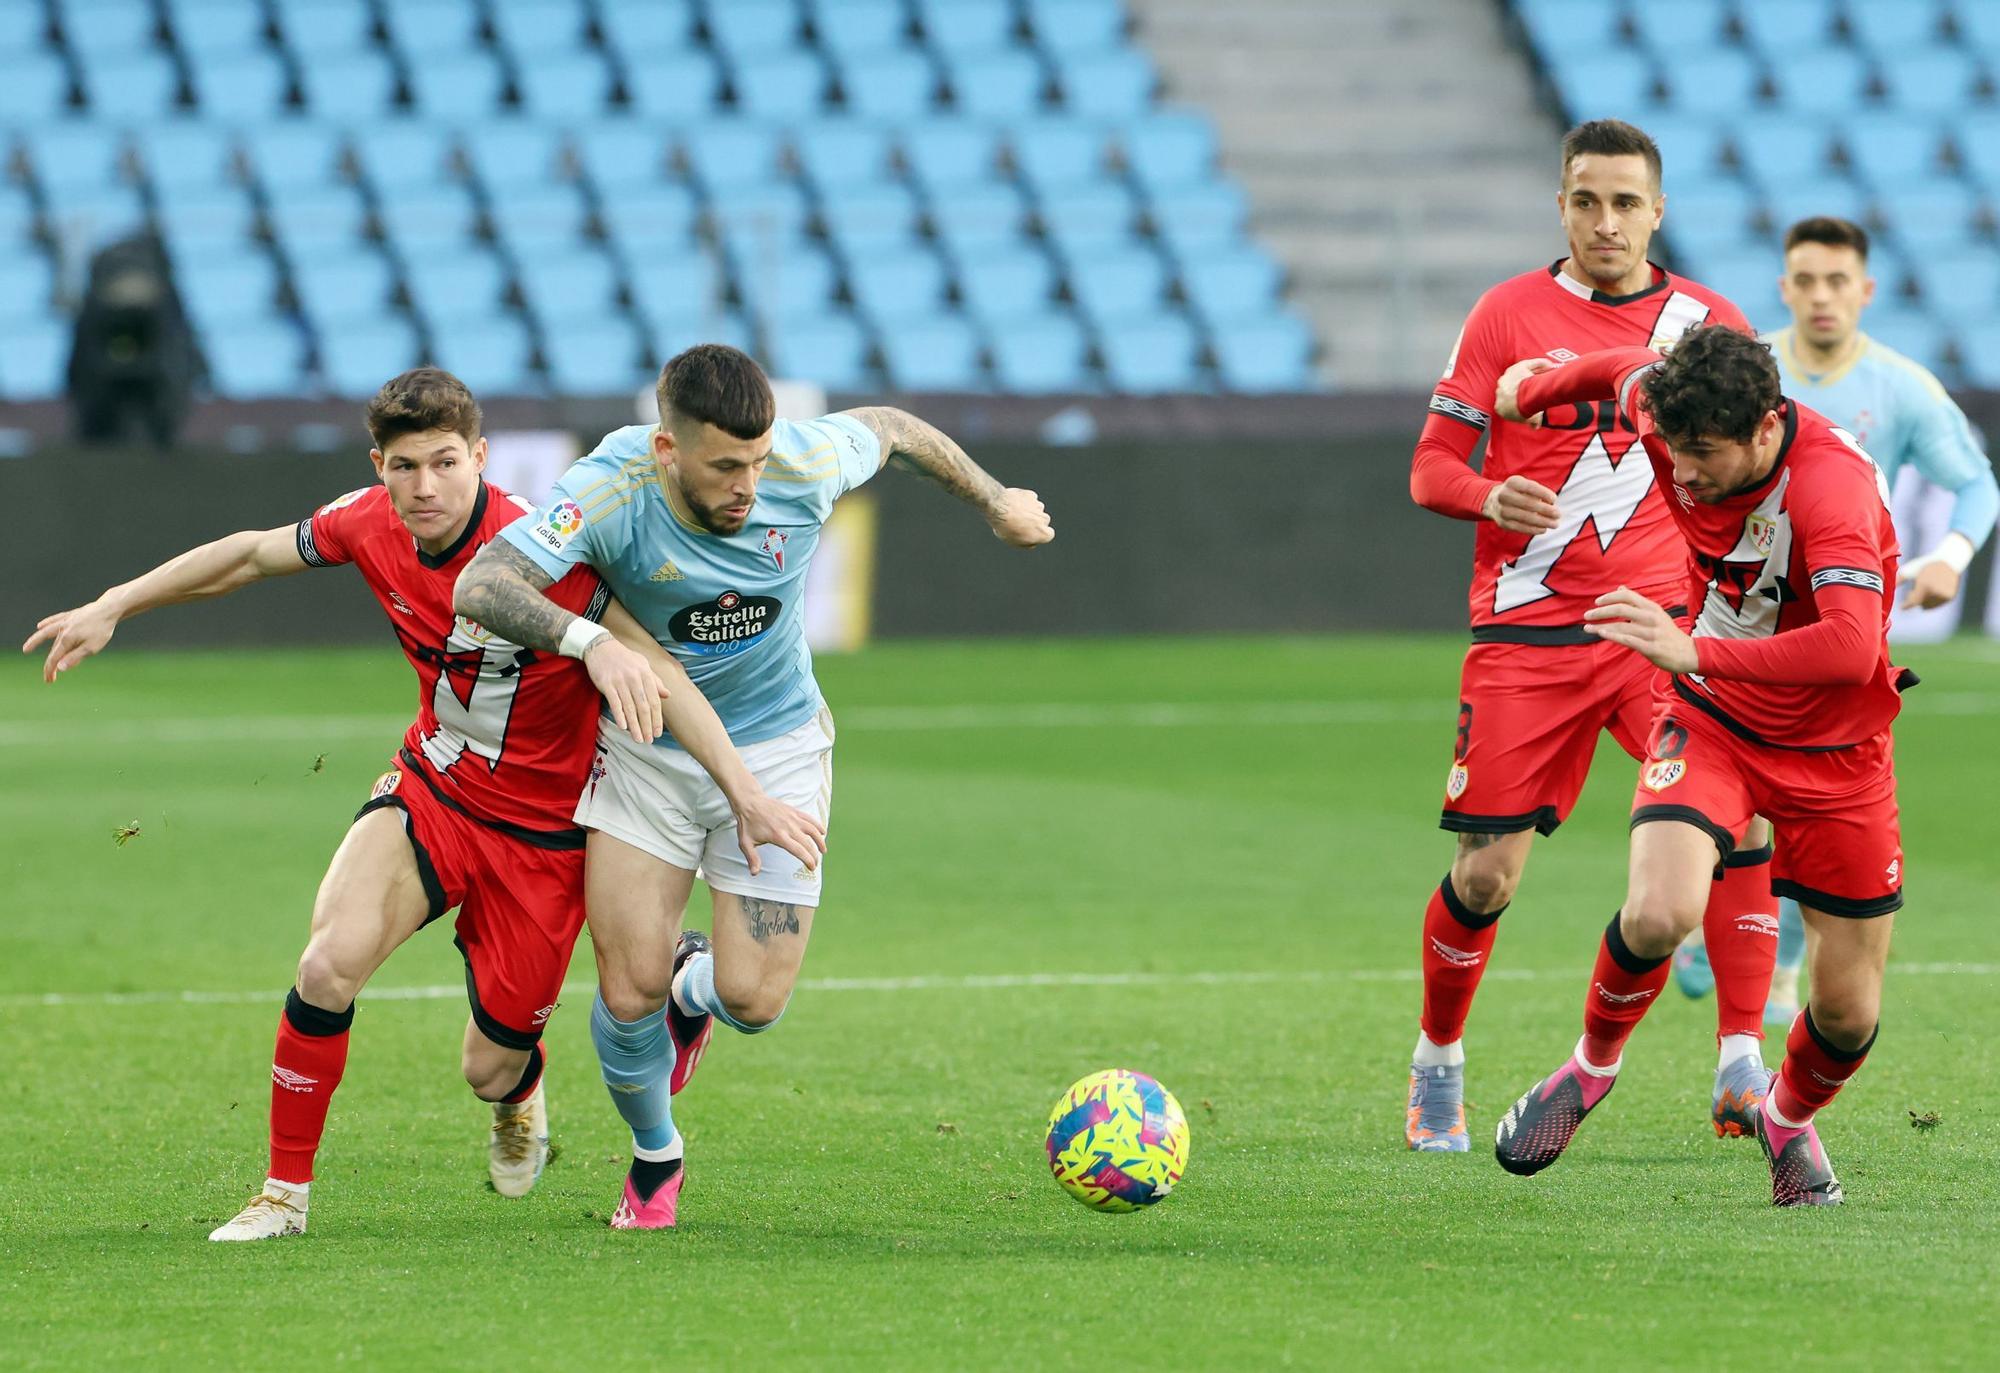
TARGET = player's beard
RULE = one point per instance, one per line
(706, 516)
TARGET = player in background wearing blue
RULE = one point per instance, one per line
(703, 526)
(1900, 414)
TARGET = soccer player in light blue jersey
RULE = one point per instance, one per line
(703, 526)
(1901, 415)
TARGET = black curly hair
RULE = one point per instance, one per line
(1718, 382)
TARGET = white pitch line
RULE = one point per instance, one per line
(450, 991)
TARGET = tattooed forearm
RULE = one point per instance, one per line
(502, 589)
(928, 451)
(767, 918)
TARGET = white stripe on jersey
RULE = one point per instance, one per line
(1680, 311)
(1766, 539)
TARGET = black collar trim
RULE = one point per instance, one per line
(1577, 288)
(436, 560)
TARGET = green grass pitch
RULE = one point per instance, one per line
(1217, 849)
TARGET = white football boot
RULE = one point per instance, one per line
(280, 1209)
(519, 1148)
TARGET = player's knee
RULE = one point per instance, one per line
(1485, 880)
(755, 1009)
(491, 1071)
(326, 979)
(1654, 926)
(1847, 1019)
(634, 997)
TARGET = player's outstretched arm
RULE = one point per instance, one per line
(502, 589)
(214, 569)
(1016, 516)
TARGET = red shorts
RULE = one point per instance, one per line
(1840, 847)
(520, 905)
(1528, 720)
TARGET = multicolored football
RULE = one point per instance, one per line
(1118, 1141)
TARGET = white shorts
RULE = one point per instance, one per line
(662, 801)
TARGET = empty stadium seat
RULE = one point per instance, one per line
(838, 153)
(1148, 356)
(357, 85)
(568, 84)
(966, 26)
(538, 218)
(1005, 284)
(1555, 27)
(457, 86)
(255, 359)
(676, 289)
(1790, 202)
(490, 354)
(131, 86)
(787, 84)
(1058, 155)
(34, 358)
(1721, 81)
(423, 30)
(529, 30)
(1889, 27)
(1169, 150)
(337, 287)
(313, 220)
(1116, 83)
(86, 217)
(1779, 28)
(894, 291)
(34, 86)
(891, 83)
(1891, 151)
(320, 29)
(866, 219)
(949, 155)
(937, 353)
(427, 219)
(830, 349)
(1917, 336)
(1980, 353)
(1232, 286)
(1600, 84)
(27, 286)
(680, 83)
(649, 219)
(1939, 80)
(775, 209)
(1782, 147)
(215, 26)
(732, 153)
(1680, 26)
(1271, 353)
(458, 283)
(1715, 215)
(748, 28)
(561, 288)
(795, 279)
(75, 154)
(1086, 218)
(287, 156)
(621, 156)
(859, 26)
(644, 31)
(1076, 25)
(1007, 84)
(1040, 354)
(597, 357)
(512, 152)
(1958, 284)
(679, 332)
(108, 26)
(1693, 147)
(22, 27)
(191, 215)
(239, 88)
(184, 153)
(1117, 283)
(1829, 81)
(1200, 217)
(358, 355)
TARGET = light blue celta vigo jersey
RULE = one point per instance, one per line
(729, 608)
(1901, 415)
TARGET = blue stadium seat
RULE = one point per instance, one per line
(224, 290)
(600, 357)
(1979, 346)
(1775, 148)
(975, 220)
(128, 87)
(1273, 353)
(1088, 218)
(212, 215)
(1555, 26)
(492, 354)
(184, 153)
(1979, 25)
(731, 152)
(1720, 81)
(1169, 150)
(1681, 25)
(1958, 284)
(75, 153)
(784, 84)
(956, 27)
(834, 153)
(1202, 217)
(671, 290)
(458, 85)
(512, 152)
(1714, 215)
(621, 156)
(318, 29)
(529, 30)
(399, 154)
(1829, 81)
(1006, 284)
(939, 353)
(1111, 285)
(893, 291)
(314, 219)
(1891, 151)
(1006, 84)
(1787, 204)
(1749, 279)
(949, 155)
(643, 31)
(354, 86)
(683, 332)
(424, 30)
(34, 358)
(1977, 138)
(649, 220)
(239, 88)
(1922, 338)
(357, 356)
(339, 287)
(1931, 216)
(1150, 356)
(87, 217)
(775, 209)
(1039, 355)
(568, 84)
(1116, 83)
(560, 288)
(859, 26)
(421, 221)
(34, 86)
(1779, 28)
(1938, 80)
(1076, 25)
(467, 282)
(1889, 27)
(795, 279)
(679, 84)
(108, 26)
(749, 28)
(1232, 286)
(892, 83)
(533, 219)
(217, 26)
(1058, 155)
(865, 218)
(829, 349)
(1599, 84)
(17, 217)
(1692, 146)
(27, 286)
(22, 27)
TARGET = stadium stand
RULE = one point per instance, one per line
(548, 195)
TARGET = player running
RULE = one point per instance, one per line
(1900, 414)
(1780, 704)
(1568, 510)
(704, 524)
(474, 812)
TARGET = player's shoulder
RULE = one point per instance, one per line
(809, 452)
(359, 504)
(1825, 457)
(502, 507)
(1523, 288)
(602, 485)
(1906, 374)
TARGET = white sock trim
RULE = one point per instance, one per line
(293, 1192)
(1770, 1109)
(1429, 1054)
(1585, 1066)
(1739, 1046)
(676, 1148)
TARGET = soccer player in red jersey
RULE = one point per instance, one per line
(1567, 510)
(475, 811)
(1778, 704)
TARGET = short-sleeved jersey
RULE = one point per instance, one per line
(1614, 529)
(730, 608)
(503, 734)
(1763, 557)
(1902, 415)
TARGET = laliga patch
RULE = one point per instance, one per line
(1664, 772)
(1455, 784)
(559, 526)
(386, 784)
(343, 502)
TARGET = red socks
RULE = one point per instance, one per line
(1622, 988)
(306, 1067)
(1740, 928)
(1456, 942)
(1814, 1070)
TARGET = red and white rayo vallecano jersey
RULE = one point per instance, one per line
(1614, 529)
(1790, 577)
(503, 734)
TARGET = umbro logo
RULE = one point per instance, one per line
(1754, 923)
(291, 1081)
(1562, 355)
(668, 573)
(396, 601)
(627, 1088)
(1458, 958)
(541, 1017)
(1622, 998)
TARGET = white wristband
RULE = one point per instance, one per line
(580, 635)
(1954, 551)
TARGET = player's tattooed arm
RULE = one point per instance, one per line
(502, 589)
(1017, 516)
(767, 918)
